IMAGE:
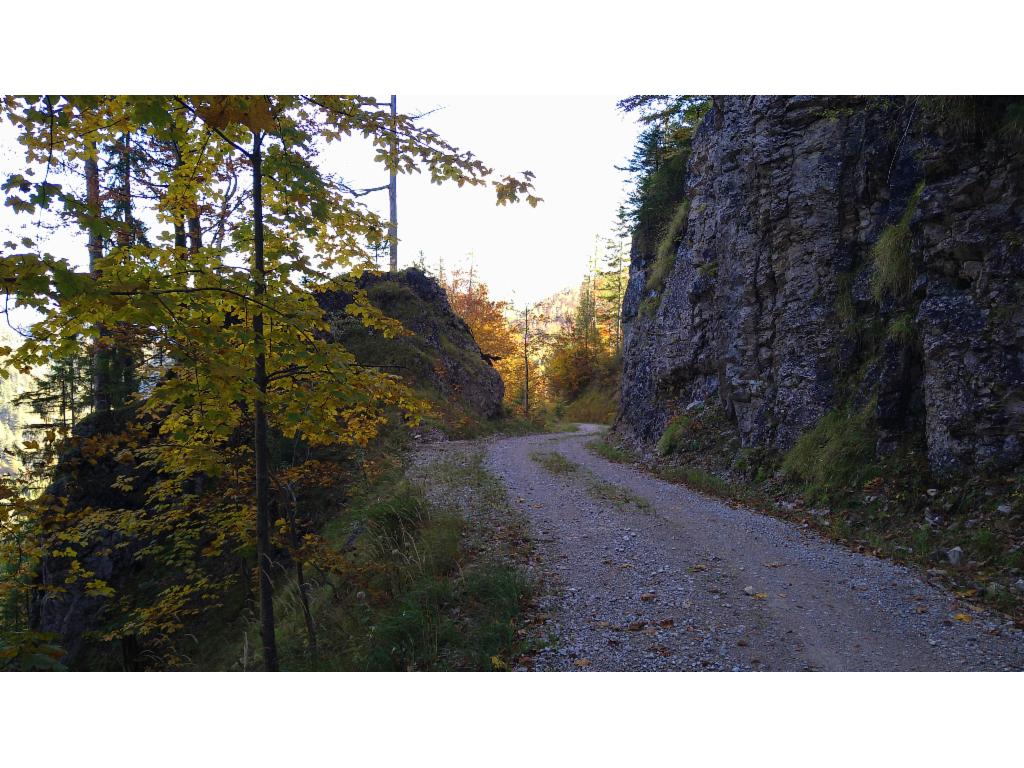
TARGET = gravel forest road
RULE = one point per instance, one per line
(643, 574)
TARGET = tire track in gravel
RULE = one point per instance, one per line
(694, 583)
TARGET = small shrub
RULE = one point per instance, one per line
(922, 543)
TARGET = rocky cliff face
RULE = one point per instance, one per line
(441, 359)
(768, 308)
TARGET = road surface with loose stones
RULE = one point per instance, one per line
(676, 580)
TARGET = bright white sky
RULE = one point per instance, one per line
(571, 143)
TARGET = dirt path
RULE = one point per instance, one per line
(685, 581)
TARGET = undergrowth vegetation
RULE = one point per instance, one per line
(597, 404)
(404, 583)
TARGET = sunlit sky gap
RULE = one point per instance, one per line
(572, 143)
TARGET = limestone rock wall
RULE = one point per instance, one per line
(768, 307)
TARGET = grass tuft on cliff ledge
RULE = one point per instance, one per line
(894, 265)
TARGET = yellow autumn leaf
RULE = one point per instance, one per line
(963, 617)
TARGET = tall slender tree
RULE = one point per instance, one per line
(393, 198)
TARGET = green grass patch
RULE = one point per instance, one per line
(562, 427)
(901, 329)
(837, 455)
(621, 498)
(555, 463)
(609, 451)
(597, 404)
(678, 435)
(649, 305)
(665, 255)
(894, 265)
(698, 479)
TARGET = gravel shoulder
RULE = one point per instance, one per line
(689, 582)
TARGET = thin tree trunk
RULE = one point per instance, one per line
(260, 417)
(393, 194)
(122, 362)
(526, 359)
(300, 577)
(195, 235)
(100, 355)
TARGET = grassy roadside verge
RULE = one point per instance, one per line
(403, 579)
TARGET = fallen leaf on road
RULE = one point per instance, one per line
(698, 567)
(647, 597)
(636, 626)
(667, 623)
(582, 662)
(661, 650)
(921, 609)
(760, 596)
(963, 617)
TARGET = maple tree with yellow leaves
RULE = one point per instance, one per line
(244, 228)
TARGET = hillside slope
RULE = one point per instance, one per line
(440, 360)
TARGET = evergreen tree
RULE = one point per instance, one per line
(612, 280)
